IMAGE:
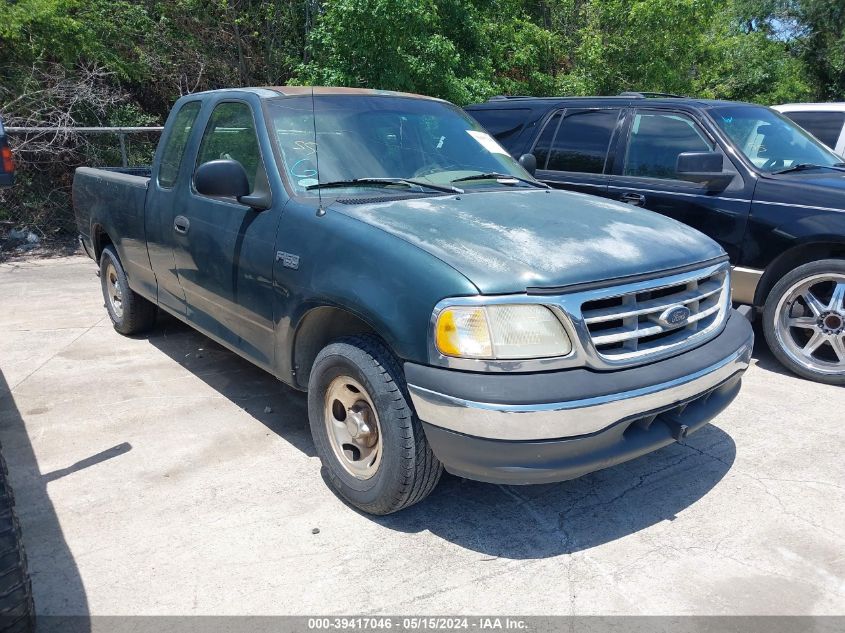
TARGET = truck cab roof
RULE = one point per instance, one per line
(269, 92)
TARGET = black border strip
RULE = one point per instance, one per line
(618, 281)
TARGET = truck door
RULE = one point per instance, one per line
(572, 150)
(225, 250)
(166, 187)
(645, 176)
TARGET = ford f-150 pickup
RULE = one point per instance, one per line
(441, 307)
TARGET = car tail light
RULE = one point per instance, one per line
(6, 159)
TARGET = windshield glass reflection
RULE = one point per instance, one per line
(338, 138)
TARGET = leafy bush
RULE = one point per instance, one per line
(118, 62)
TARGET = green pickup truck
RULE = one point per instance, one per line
(441, 307)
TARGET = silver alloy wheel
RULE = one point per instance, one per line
(115, 294)
(353, 427)
(810, 323)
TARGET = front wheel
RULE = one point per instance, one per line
(366, 434)
(804, 321)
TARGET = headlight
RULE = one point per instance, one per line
(501, 331)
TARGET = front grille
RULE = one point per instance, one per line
(628, 326)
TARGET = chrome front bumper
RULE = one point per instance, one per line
(576, 417)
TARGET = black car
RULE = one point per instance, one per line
(7, 165)
(770, 193)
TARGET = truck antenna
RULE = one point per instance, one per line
(320, 210)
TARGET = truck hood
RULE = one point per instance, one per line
(507, 241)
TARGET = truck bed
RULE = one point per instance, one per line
(112, 200)
(114, 194)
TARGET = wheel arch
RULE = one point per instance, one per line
(319, 326)
(791, 259)
(100, 238)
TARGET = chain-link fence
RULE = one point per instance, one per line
(40, 201)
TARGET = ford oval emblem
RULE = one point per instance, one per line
(674, 316)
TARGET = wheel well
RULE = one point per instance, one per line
(791, 259)
(100, 240)
(317, 329)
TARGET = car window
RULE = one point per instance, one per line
(825, 126)
(504, 124)
(656, 140)
(770, 140)
(544, 143)
(335, 137)
(174, 149)
(582, 141)
(230, 134)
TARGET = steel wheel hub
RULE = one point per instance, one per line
(352, 426)
(810, 323)
(115, 294)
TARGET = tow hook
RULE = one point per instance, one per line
(679, 431)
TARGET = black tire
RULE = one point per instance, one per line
(408, 470)
(133, 314)
(17, 612)
(778, 337)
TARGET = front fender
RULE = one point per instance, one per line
(385, 281)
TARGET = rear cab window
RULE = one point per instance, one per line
(174, 148)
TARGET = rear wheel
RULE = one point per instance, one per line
(129, 312)
(804, 321)
(367, 436)
(17, 614)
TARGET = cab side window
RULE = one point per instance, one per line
(657, 139)
(174, 149)
(230, 135)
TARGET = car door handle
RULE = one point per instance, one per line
(637, 199)
(181, 224)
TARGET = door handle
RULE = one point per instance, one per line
(636, 199)
(181, 224)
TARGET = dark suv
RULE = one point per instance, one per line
(770, 193)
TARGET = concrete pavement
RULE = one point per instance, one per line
(164, 475)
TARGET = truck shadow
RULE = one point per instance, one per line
(529, 522)
(498, 521)
(250, 387)
(57, 584)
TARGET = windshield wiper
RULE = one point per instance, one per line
(806, 166)
(363, 182)
(497, 176)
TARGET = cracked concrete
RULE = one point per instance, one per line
(150, 480)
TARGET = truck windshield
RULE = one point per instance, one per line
(771, 141)
(340, 139)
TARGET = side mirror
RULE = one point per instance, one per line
(222, 178)
(529, 163)
(704, 168)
